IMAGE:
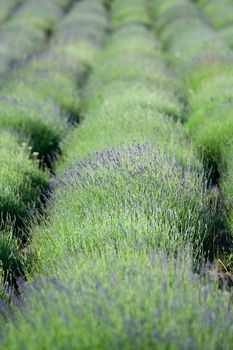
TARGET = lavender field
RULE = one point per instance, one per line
(116, 174)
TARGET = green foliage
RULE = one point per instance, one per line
(136, 197)
(175, 22)
(7, 6)
(220, 13)
(82, 32)
(227, 35)
(161, 6)
(39, 122)
(28, 106)
(206, 67)
(130, 218)
(210, 120)
(43, 17)
(47, 76)
(58, 72)
(20, 181)
(11, 258)
(129, 12)
(26, 30)
(204, 62)
(130, 96)
(128, 301)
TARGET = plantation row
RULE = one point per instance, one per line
(123, 104)
(7, 7)
(38, 99)
(220, 15)
(27, 29)
(22, 35)
(114, 263)
(204, 66)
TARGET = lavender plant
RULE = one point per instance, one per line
(220, 14)
(128, 300)
(33, 99)
(27, 29)
(205, 65)
(136, 198)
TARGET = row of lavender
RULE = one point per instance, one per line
(220, 15)
(7, 8)
(38, 98)
(27, 29)
(130, 98)
(21, 179)
(204, 64)
(129, 217)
